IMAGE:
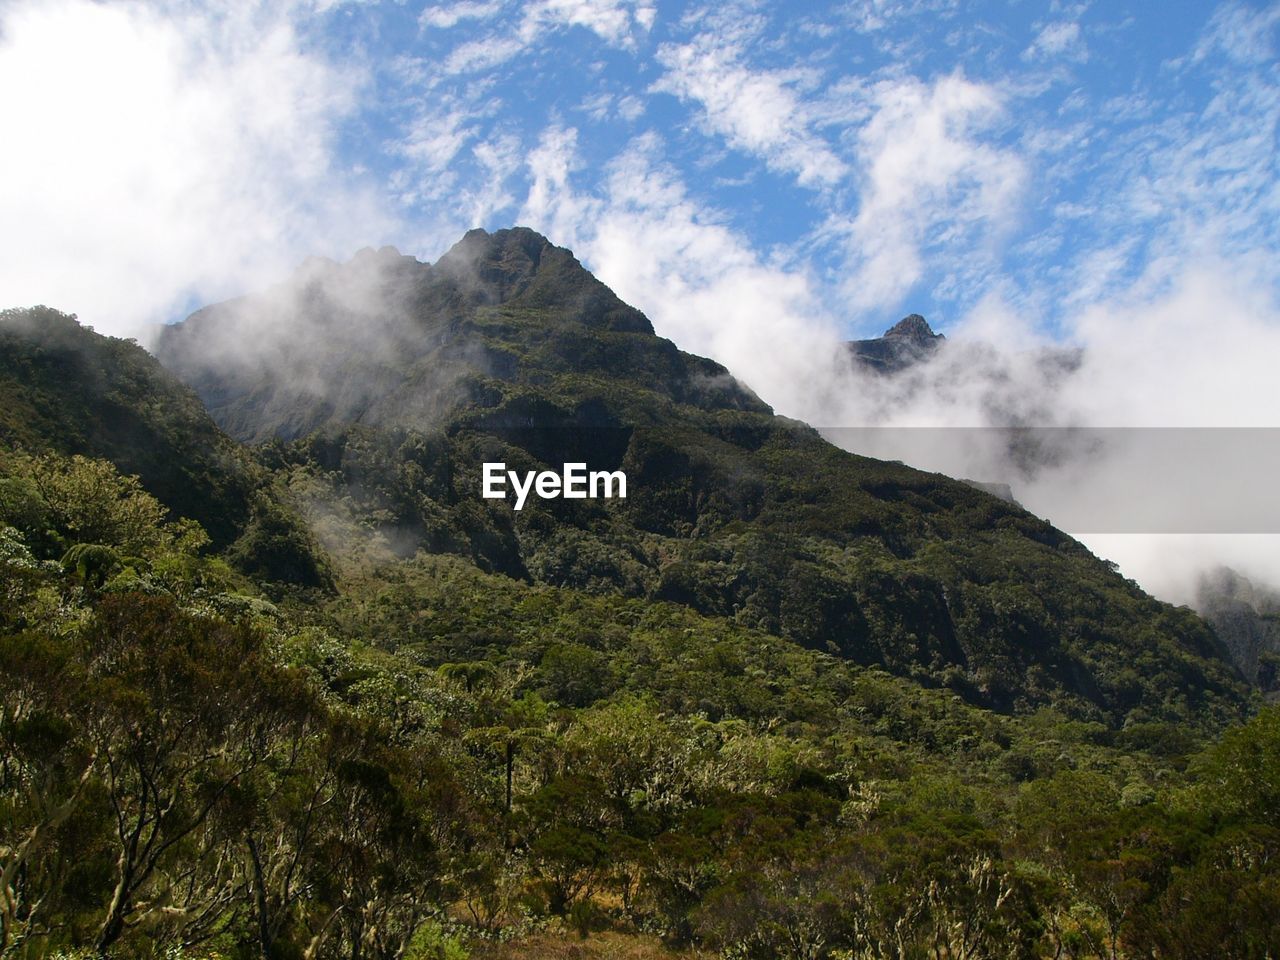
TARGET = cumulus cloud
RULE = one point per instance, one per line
(160, 155)
(928, 181)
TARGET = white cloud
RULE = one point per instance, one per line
(928, 181)
(434, 140)
(612, 20)
(159, 156)
(1058, 39)
(483, 54)
(1198, 354)
(617, 22)
(1169, 181)
(553, 206)
(631, 108)
(699, 281)
(500, 158)
(444, 16)
(1245, 33)
(755, 110)
(871, 16)
(603, 106)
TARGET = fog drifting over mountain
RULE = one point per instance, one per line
(174, 154)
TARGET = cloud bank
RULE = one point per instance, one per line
(159, 156)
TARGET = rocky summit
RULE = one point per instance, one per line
(906, 343)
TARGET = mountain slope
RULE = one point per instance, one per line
(67, 390)
(1246, 616)
(406, 377)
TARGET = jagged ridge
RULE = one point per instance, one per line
(394, 380)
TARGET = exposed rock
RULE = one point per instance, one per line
(907, 342)
(1246, 617)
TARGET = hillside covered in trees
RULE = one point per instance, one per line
(297, 691)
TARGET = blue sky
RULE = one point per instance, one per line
(902, 155)
(886, 155)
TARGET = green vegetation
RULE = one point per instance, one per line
(378, 415)
(315, 699)
(66, 390)
(436, 757)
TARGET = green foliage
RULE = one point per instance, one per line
(276, 546)
(110, 446)
(783, 702)
(1240, 775)
(432, 941)
(89, 502)
(513, 352)
(67, 390)
(835, 811)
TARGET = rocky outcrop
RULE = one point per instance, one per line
(1246, 617)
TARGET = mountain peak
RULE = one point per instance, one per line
(521, 264)
(386, 340)
(913, 327)
(903, 345)
(478, 243)
(496, 266)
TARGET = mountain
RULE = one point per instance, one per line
(779, 701)
(1247, 618)
(386, 341)
(378, 388)
(906, 343)
(67, 390)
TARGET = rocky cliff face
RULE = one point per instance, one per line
(1246, 616)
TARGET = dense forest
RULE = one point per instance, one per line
(307, 698)
(190, 762)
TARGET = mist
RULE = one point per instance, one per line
(1189, 346)
(173, 156)
(163, 156)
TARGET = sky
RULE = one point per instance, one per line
(763, 180)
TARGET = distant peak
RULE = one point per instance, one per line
(913, 327)
(906, 343)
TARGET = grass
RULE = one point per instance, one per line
(566, 945)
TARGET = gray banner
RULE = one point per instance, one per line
(1104, 480)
